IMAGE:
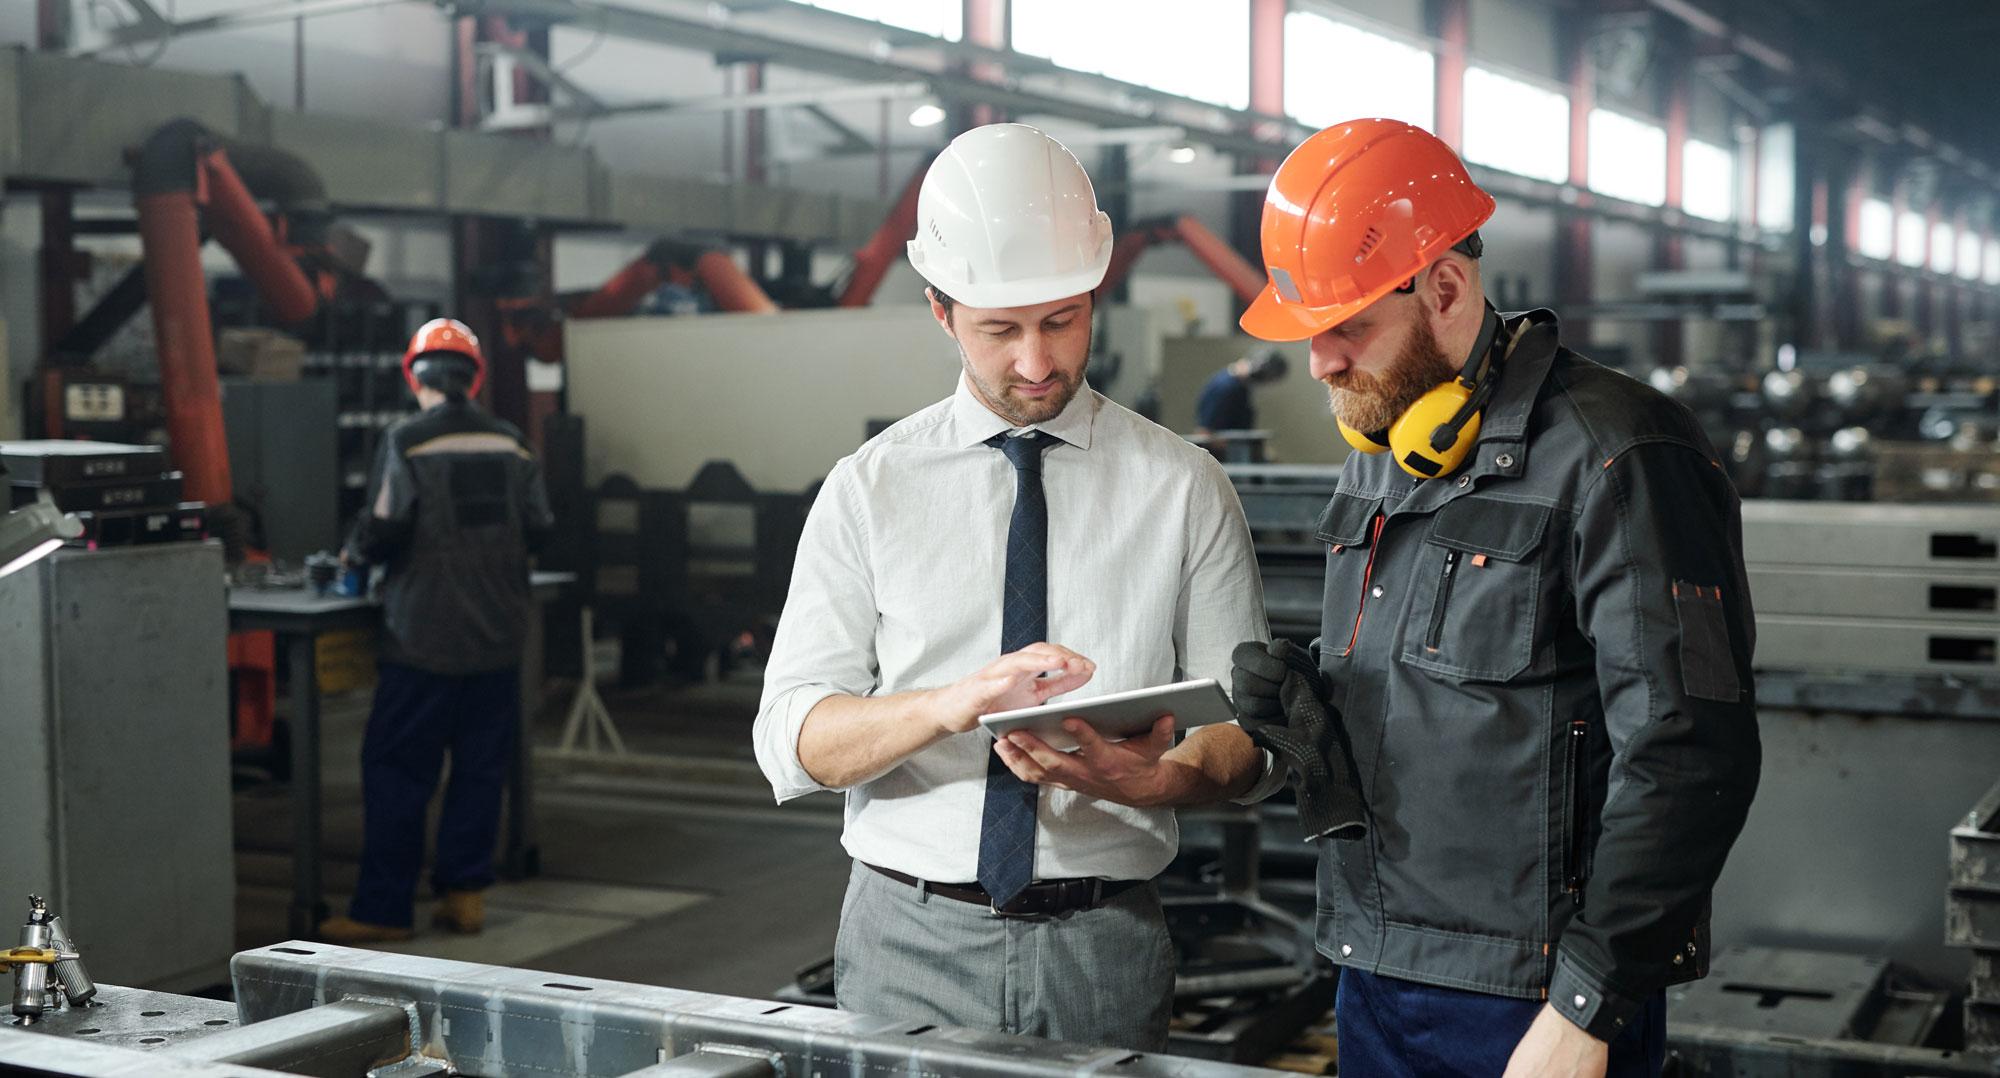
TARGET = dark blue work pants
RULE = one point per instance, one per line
(1391, 1028)
(418, 717)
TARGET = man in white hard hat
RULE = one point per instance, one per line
(1023, 526)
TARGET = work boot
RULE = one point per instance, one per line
(461, 911)
(350, 931)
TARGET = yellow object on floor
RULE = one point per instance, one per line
(347, 930)
(463, 912)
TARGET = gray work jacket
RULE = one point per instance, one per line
(454, 510)
(1542, 661)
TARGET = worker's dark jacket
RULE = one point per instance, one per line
(455, 506)
(1543, 665)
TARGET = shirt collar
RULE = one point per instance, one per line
(973, 422)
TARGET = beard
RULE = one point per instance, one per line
(1007, 402)
(1370, 403)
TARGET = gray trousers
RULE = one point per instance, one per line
(1102, 977)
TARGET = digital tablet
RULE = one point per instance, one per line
(1120, 714)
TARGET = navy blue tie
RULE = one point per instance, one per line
(1007, 827)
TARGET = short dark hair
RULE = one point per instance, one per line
(449, 373)
(937, 294)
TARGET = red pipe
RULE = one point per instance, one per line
(1221, 259)
(621, 294)
(873, 260)
(730, 287)
(170, 229)
(244, 231)
(177, 174)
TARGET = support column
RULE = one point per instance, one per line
(1573, 285)
(1451, 22)
(1670, 243)
(1267, 97)
(1806, 188)
(491, 257)
(987, 24)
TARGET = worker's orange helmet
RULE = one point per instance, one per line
(1355, 211)
(445, 335)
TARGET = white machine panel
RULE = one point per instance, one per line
(781, 396)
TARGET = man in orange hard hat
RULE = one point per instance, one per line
(1525, 739)
(454, 508)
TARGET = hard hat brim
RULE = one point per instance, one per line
(1272, 319)
(1025, 293)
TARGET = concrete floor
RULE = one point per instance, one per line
(674, 870)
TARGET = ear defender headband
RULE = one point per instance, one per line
(1434, 435)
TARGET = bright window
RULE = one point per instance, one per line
(938, 18)
(1335, 72)
(1968, 255)
(1993, 261)
(1944, 247)
(1516, 126)
(1878, 229)
(1200, 50)
(1628, 158)
(1910, 234)
(1775, 178)
(1708, 181)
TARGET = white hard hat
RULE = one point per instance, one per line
(1006, 217)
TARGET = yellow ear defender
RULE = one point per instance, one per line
(1433, 436)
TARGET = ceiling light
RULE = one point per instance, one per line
(1181, 155)
(926, 116)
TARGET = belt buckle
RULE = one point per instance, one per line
(1023, 905)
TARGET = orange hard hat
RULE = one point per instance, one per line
(1353, 213)
(445, 335)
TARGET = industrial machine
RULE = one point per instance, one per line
(111, 662)
(1849, 428)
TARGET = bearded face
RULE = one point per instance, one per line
(1371, 402)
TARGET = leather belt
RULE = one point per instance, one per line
(1040, 899)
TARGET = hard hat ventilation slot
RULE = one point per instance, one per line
(1369, 242)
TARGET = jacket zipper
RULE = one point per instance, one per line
(1435, 636)
(1573, 853)
(1367, 575)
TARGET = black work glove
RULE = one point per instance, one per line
(1281, 701)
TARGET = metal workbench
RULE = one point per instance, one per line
(297, 617)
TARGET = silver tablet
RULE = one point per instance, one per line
(1120, 714)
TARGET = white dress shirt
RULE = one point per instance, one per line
(898, 587)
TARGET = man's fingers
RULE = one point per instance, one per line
(1088, 741)
(1256, 660)
(1020, 763)
(1293, 656)
(1048, 759)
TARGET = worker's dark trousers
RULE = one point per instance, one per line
(1391, 1028)
(418, 717)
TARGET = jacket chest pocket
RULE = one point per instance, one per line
(1348, 528)
(1477, 617)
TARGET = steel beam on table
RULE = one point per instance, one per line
(499, 1022)
(35, 1055)
(336, 1040)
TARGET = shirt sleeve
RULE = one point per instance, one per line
(825, 643)
(1222, 595)
(1662, 596)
